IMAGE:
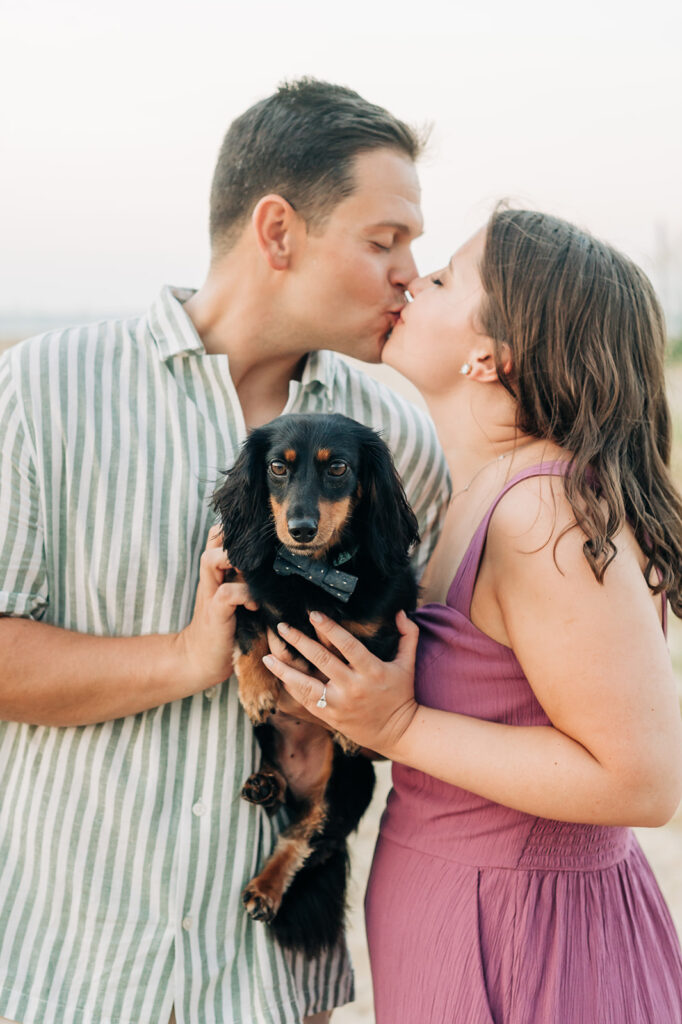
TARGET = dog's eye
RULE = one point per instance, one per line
(278, 468)
(338, 468)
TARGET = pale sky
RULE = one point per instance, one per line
(112, 117)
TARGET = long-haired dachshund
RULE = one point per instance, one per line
(314, 517)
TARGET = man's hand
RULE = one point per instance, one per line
(206, 644)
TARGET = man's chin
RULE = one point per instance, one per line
(385, 351)
(377, 353)
(365, 351)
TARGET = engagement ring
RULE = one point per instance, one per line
(322, 702)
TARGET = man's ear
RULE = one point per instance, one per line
(275, 223)
(482, 362)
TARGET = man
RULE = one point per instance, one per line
(124, 845)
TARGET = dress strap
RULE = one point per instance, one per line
(462, 587)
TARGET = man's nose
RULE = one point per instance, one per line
(404, 272)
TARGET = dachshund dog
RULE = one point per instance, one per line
(314, 517)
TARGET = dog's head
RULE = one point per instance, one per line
(315, 483)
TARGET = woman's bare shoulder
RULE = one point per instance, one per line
(535, 518)
(534, 513)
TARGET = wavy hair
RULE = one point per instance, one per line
(587, 337)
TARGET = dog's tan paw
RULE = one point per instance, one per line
(259, 905)
(264, 788)
(260, 708)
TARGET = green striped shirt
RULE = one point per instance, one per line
(124, 847)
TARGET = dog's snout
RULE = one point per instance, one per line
(303, 530)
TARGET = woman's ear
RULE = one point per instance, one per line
(275, 224)
(482, 362)
(507, 359)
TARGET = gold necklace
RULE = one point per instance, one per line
(498, 458)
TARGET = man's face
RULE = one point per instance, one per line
(349, 280)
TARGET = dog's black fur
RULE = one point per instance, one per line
(332, 481)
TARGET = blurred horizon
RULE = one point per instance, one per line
(115, 116)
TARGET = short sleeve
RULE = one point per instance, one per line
(427, 486)
(23, 576)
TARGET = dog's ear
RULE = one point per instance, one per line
(243, 506)
(390, 526)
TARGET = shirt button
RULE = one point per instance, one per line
(199, 808)
(210, 693)
(187, 923)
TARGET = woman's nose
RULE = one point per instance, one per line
(403, 271)
(416, 285)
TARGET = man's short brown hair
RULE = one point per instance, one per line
(300, 143)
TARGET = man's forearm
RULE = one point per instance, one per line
(52, 676)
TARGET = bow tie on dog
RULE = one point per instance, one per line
(339, 584)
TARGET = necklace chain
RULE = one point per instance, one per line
(498, 458)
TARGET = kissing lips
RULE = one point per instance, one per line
(394, 318)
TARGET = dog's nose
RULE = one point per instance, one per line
(302, 530)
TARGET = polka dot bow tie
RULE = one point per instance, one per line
(328, 577)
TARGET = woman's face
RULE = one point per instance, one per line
(437, 333)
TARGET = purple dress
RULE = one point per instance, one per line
(479, 914)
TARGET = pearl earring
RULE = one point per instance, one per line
(465, 369)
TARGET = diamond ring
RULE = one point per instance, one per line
(322, 702)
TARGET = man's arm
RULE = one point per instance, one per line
(52, 676)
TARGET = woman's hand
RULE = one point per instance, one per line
(286, 704)
(368, 700)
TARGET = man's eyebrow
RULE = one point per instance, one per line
(397, 226)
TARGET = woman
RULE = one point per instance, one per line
(541, 719)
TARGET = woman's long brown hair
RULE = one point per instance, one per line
(587, 337)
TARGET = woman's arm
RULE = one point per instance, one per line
(594, 655)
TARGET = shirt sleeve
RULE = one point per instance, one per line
(427, 486)
(420, 461)
(23, 575)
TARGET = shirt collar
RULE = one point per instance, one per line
(169, 325)
(174, 333)
(320, 368)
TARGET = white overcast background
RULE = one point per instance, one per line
(112, 116)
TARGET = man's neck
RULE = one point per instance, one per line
(234, 317)
(263, 392)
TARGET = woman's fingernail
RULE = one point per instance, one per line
(283, 627)
(268, 661)
(316, 617)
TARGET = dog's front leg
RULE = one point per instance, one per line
(258, 688)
